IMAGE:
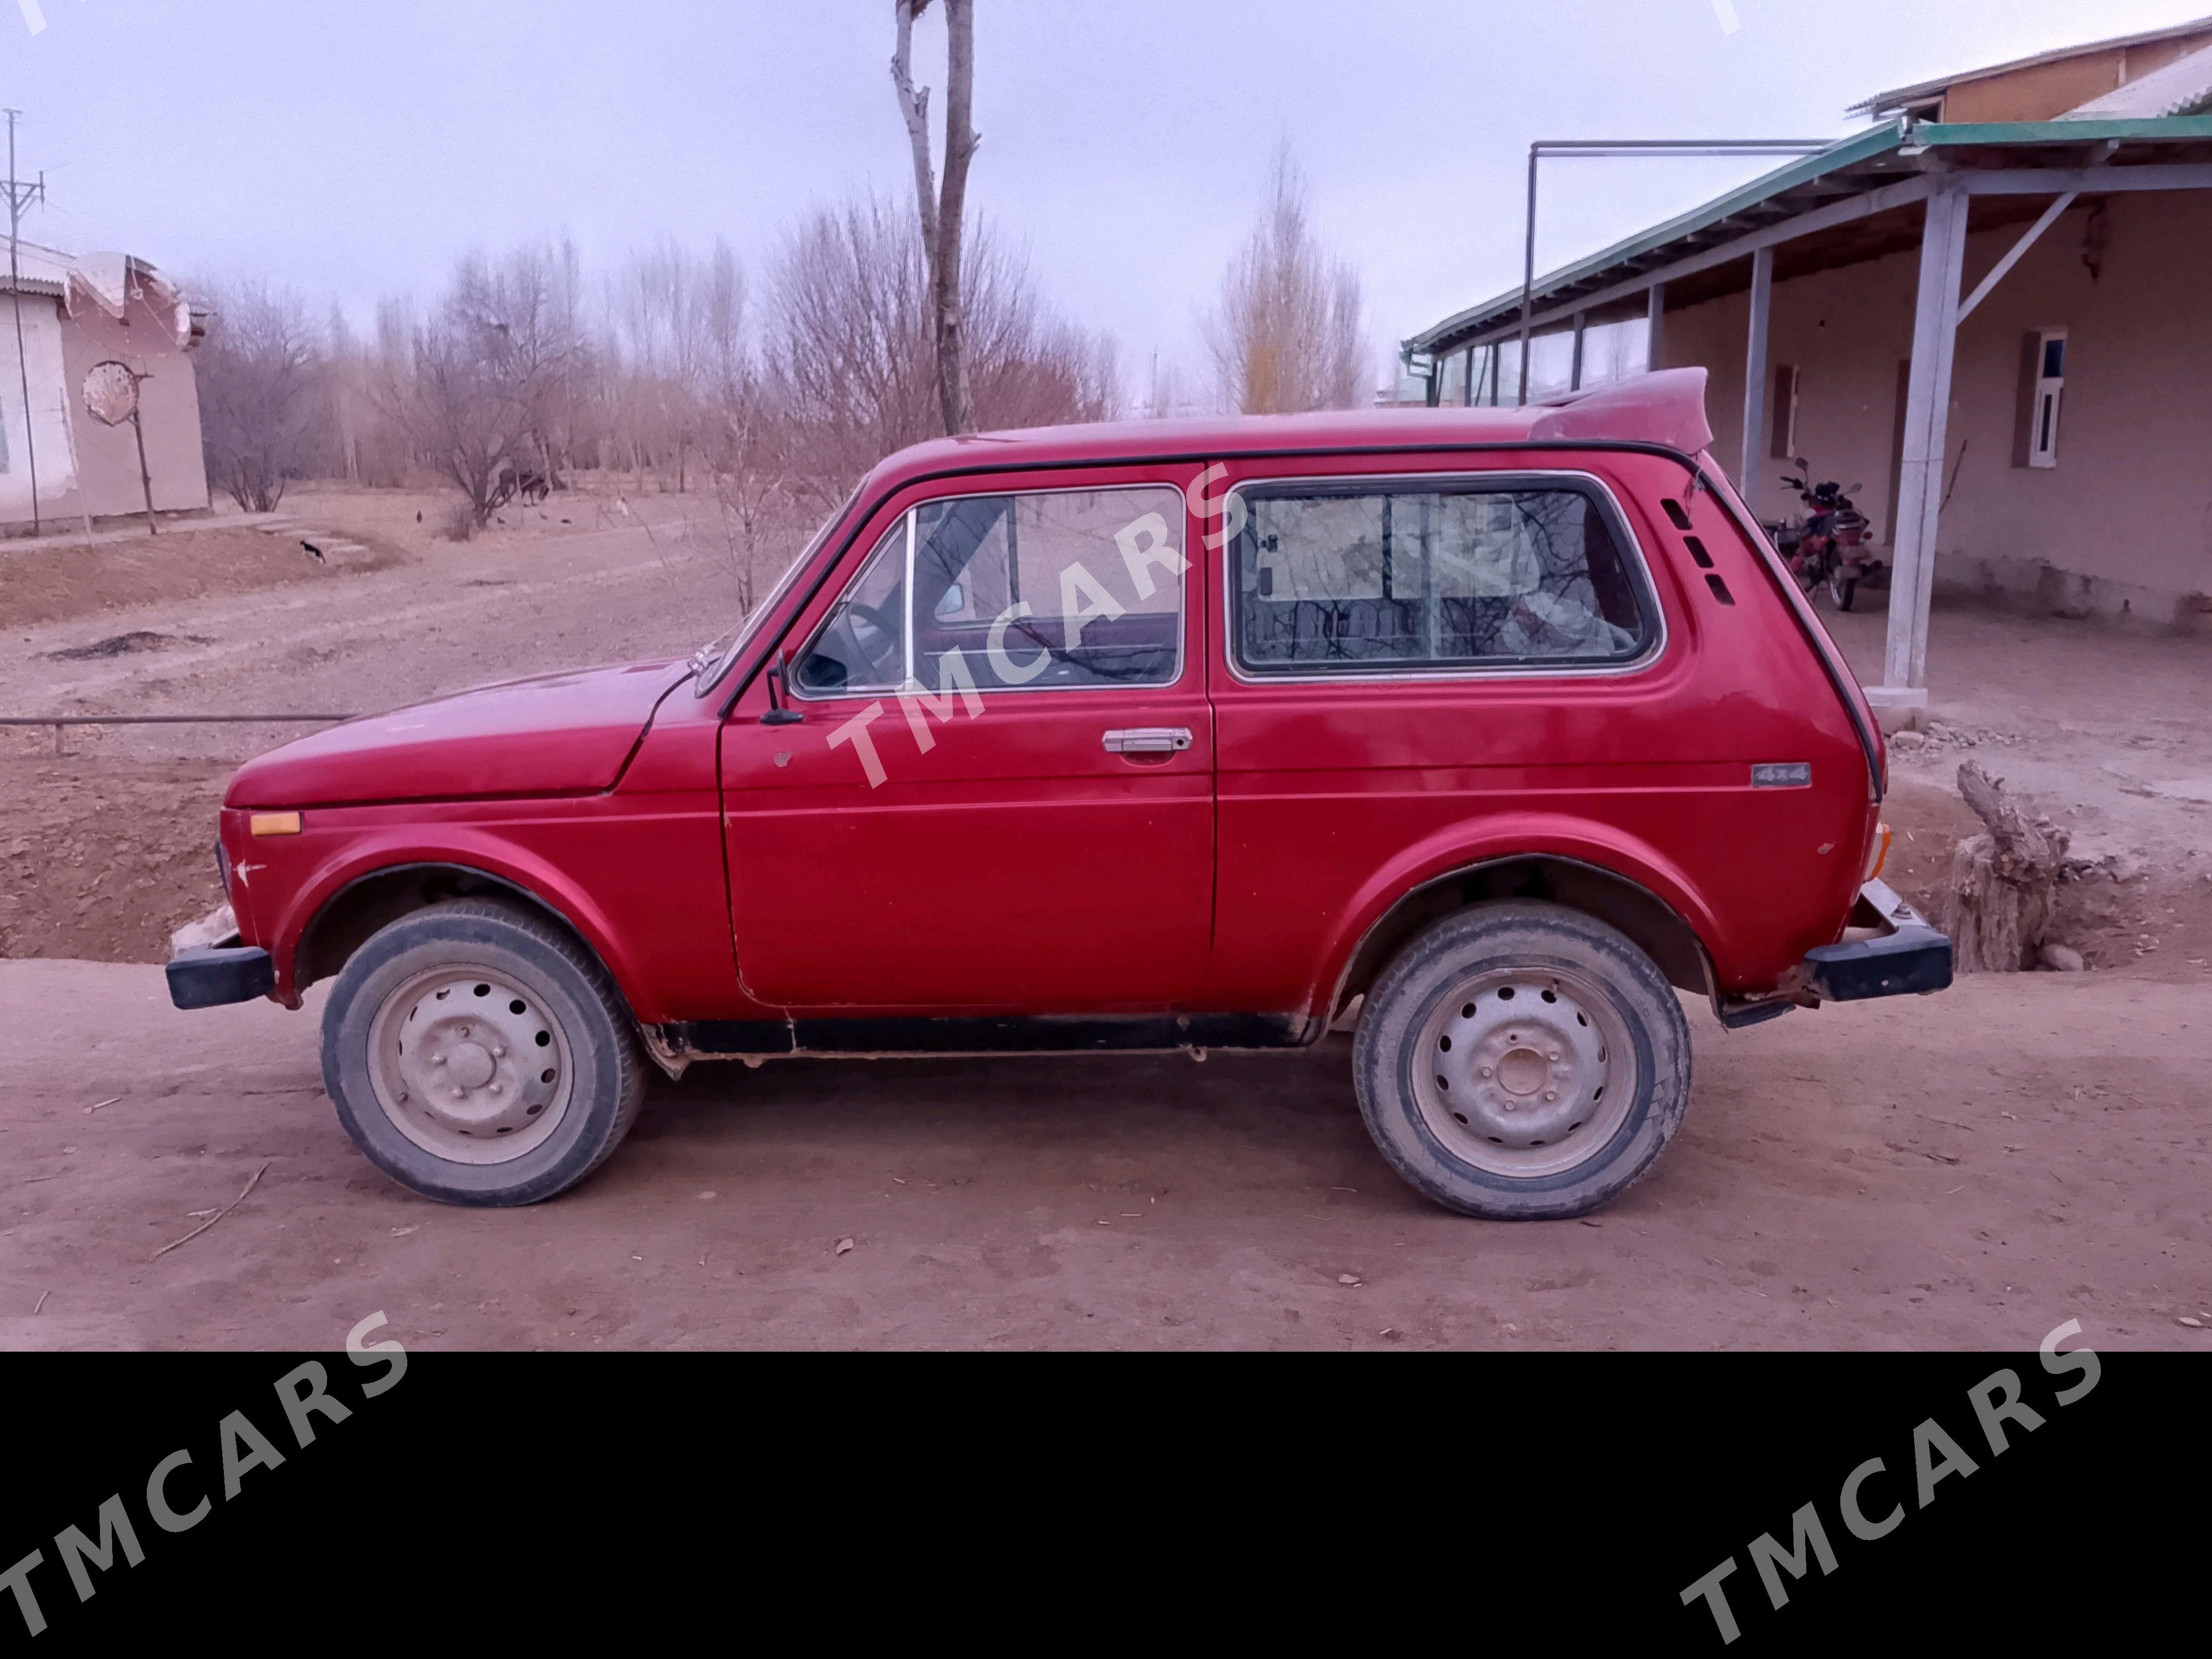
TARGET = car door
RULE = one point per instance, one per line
(998, 791)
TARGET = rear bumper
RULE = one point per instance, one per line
(1888, 951)
(210, 975)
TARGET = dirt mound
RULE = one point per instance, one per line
(56, 582)
(123, 644)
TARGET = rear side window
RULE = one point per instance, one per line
(1388, 576)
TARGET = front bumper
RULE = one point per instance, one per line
(1888, 951)
(207, 977)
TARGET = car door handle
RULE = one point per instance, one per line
(1149, 740)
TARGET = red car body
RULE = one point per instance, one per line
(1013, 882)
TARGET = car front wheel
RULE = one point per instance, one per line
(479, 1055)
(1522, 1061)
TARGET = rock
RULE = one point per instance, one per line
(1908, 741)
(2061, 958)
(2193, 1324)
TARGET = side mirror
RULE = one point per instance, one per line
(777, 714)
(951, 602)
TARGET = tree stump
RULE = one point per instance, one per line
(2005, 884)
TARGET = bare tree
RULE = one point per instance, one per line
(763, 510)
(262, 414)
(943, 206)
(479, 383)
(1288, 332)
(848, 351)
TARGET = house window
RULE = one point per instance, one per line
(2042, 385)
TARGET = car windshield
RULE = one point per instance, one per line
(712, 661)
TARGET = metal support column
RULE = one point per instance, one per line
(1920, 485)
(1575, 375)
(1528, 274)
(1754, 367)
(1654, 334)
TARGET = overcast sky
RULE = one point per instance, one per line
(349, 150)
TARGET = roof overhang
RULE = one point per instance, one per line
(1886, 103)
(1856, 200)
(104, 282)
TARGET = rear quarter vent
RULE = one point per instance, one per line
(1720, 589)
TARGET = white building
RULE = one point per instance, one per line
(76, 313)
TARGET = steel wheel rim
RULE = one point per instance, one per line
(470, 1063)
(1525, 1072)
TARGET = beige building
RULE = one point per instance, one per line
(78, 314)
(1991, 311)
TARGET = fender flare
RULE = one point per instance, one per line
(1468, 847)
(467, 853)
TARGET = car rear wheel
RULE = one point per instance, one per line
(479, 1055)
(1522, 1061)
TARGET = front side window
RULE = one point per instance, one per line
(1051, 589)
(1453, 575)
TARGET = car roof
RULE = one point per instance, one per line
(1666, 407)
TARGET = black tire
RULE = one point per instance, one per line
(1510, 940)
(1842, 589)
(568, 990)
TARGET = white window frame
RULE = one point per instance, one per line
(2046, 405)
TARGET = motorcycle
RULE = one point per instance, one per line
(1827, 549)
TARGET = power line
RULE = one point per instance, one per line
(20, 194)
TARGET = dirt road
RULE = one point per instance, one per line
(104, 849)
(1963, 1171)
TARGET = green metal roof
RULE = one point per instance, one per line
(2164, 127)
(1859, 150)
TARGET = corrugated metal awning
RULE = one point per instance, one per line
(2182, 88)
(1854, 168)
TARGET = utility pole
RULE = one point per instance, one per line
(20, 195)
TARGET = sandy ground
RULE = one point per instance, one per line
(106, 848)
(1965, 1170)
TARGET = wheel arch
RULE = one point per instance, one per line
(349, 915)
(1649, 923)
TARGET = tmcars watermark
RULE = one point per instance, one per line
(1936, 1457)
(1145, 543)
(302, 1393)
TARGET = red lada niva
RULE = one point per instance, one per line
(1490, 729)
